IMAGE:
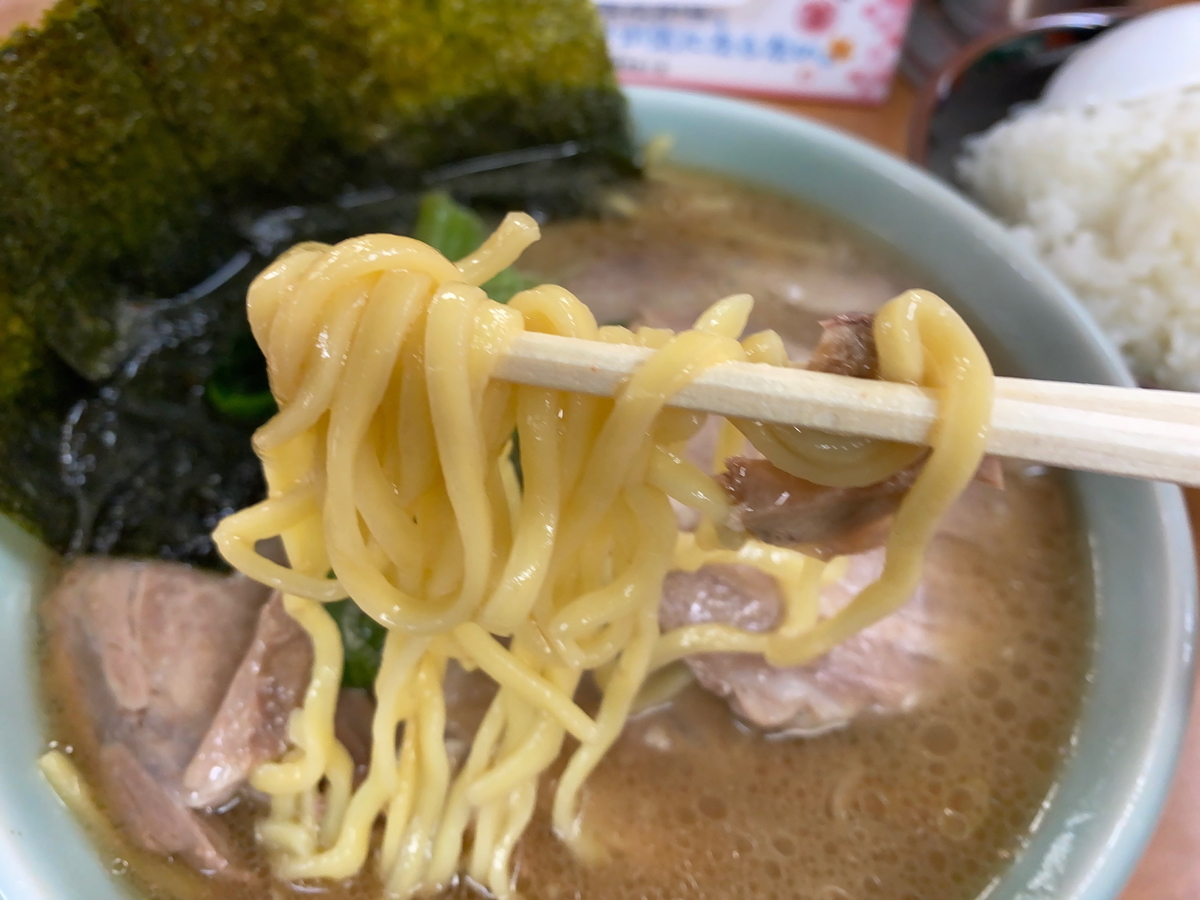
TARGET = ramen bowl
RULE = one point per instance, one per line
(1100, 814)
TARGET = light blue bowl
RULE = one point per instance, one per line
(1101, 814)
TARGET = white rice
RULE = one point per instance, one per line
(1109, 198)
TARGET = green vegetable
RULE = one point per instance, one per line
(447, 226)
(509, 282)
(455, 231)
(362, 642)
(251, 407)
(238, 387)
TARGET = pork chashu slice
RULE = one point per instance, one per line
(890, 667)
(148, 655)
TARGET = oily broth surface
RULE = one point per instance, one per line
(930, 804)
(927, 805)
(693, 805)
(687, 239)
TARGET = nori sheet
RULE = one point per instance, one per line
(208, 65)
(32, 490)
(145, 144)
(400, 88)
(100, 194)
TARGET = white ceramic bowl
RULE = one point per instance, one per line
(1102, 811)
(1153, 54)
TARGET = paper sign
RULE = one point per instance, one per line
(832, 49)
(679, 4)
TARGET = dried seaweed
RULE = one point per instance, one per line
(100, 198)
(144, 145)
(131, 130)
(399, 88)
(146, 462)
(208, 65)
(149, 465)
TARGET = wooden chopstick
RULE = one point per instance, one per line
(1132, 432)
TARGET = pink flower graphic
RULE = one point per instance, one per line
(890, 18)
(816, 16)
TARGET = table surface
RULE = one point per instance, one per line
(885, 125)
(1171, 868)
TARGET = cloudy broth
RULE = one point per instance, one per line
(690, 804)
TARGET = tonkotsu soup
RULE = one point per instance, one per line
(908, 763)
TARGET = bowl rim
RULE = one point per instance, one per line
(35, 876)
(1130, 822)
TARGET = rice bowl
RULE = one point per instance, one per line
(1108, 197)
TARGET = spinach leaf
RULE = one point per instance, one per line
(238, 387)
(362, 642)
(454, 231)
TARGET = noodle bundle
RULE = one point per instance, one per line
(391, 482)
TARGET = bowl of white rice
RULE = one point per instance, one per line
(1107, 194)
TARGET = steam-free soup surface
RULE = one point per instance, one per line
(929, 803)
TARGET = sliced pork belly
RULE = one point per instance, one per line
(887, 668)
(250, 727)
(783, 509)
(467, 695)
(165, 640)
(154, 818)
(158, 661)
(787, 511)
(847, 347)
(352, 727)
(179, 683)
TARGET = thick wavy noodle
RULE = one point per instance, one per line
(390, 481)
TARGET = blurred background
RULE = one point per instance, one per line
(915, 77)
(866, 66)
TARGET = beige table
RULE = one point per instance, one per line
(1171, 869)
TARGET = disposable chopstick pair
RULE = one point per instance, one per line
(1132, 432)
